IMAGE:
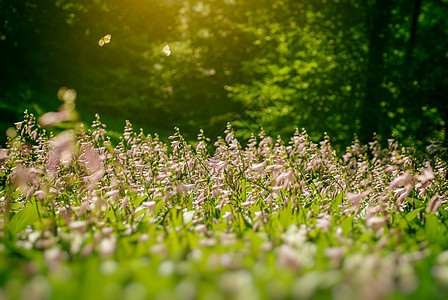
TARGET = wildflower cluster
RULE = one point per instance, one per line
(269, 220)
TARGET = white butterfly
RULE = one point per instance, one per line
(104, 40)
(166, 50)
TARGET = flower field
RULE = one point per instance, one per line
(84, 219)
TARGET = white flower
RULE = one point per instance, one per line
(210, 242)
(77, 224)
(188, 216)
(323, 222)
(376, 222)
(228, 216)
(107, 246)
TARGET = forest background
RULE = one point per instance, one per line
(344, 67)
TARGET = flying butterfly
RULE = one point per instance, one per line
(166, 50)
(104, 40)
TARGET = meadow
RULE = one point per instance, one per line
(84, 218)
(353, 207)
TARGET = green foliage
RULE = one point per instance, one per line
(342, 67)
(27, 216)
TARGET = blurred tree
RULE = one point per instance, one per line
(416, 108)
(49, 44)
(306, 70)
(347, 67)
(114, 78)
(342, 66)
(207, 55)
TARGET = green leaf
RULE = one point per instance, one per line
(347, 226)
(243, 191)
(337, 201)
(433, 228)
(413, 214)
(285, 215)
(27, 216)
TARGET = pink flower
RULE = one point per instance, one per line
(401, 180)
(259, 168)
(427, 175)
(356, 198)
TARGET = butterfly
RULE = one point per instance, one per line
(166, 50)
(104, 40)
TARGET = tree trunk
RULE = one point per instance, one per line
(413, 33)
(371, 119)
